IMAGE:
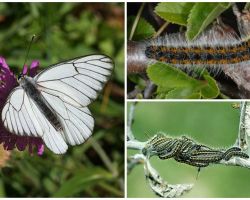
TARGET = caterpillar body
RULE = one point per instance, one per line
(218, 45)
(214, 49)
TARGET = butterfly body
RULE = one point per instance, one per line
(53, 104)
(30, 87)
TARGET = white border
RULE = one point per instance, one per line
(125, 101)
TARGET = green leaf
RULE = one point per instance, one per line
(143, 30)
(211, 90)
(167, 76)
(162, 92)
(195, 96)
(174, 12)
(201, 15)
(173, 83)
(180, 93)
(82, 180)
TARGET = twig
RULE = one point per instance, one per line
(150, 88)
(161, 187)
(244, 127)
(161, 29)
(134, 161)
(237, 162)
(136, 145)
(136, 21)
(133, 94)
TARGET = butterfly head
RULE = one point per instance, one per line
(20, 77)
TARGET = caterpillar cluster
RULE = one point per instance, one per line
(187, 151)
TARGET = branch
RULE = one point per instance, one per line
(161, 187)
(150, 88)
(243, 136)
(136, 145)
(237, 162)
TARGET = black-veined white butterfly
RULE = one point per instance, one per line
(53, 104)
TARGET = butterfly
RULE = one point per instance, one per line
(53, 104)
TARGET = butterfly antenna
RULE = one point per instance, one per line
(28, 50)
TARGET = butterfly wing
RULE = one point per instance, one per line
(76, 81)
(21, 116)
(77, 122)
(69, 87)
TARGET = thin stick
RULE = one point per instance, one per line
(136, 21)
(161, 29)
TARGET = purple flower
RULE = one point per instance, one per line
(7, 82)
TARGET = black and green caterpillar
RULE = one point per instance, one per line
(186, 150)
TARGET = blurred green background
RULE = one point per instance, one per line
(212, 123)
(64, 31)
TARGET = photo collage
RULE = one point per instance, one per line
(124, 99)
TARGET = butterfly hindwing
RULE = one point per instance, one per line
(78, 123)
(22, 117)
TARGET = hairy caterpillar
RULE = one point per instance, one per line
(218, 48)
(176, 50)
(214, 48)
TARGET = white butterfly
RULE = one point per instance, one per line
(53, 104)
